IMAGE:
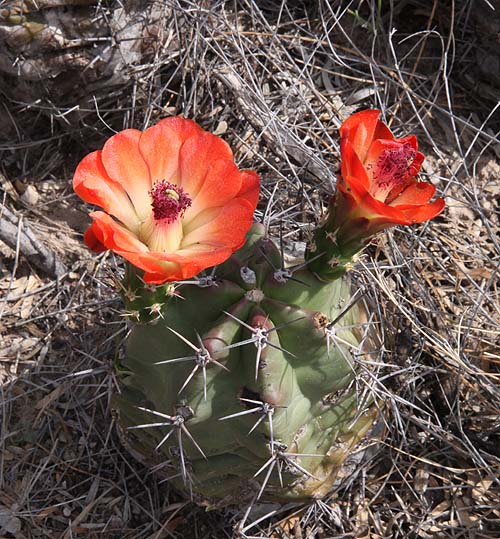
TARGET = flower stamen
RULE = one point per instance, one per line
(169, 201)
(392, 171)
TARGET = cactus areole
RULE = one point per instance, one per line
(241, 386)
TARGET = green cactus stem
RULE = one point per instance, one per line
(247, 385)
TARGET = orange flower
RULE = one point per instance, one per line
(174, 201)
(377, 189)
(378, 186)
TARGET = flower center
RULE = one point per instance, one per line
(392, 171)
(169, 201)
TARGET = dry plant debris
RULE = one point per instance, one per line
(275, 78)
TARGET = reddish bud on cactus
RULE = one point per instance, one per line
(174, 201)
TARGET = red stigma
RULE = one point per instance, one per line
(169, 201)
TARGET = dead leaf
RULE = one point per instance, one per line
(9, 523)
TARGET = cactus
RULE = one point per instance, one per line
(243, 382)
(246, 382)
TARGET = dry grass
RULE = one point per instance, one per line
(275, 79)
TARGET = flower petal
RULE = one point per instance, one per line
(411, 140)
(186, 263)
(160, 278)
(416, 164)
(349, 185)
(125, 165)
(359, 129)
(250, 184)
(205, 256)
(227, 229)
(424, 213)
(91, 240)
(92, 184)
(382, 131)
(351, 164)
(415, 195)
(371, 208)
(204, 217)
(195, 158)
(222, 183)
(183, 127)
(113, 235)
(160, 145)
(158, 269)
(162, 236)
(182, 264)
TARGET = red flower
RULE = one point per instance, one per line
(378, 186)
(174, 201)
